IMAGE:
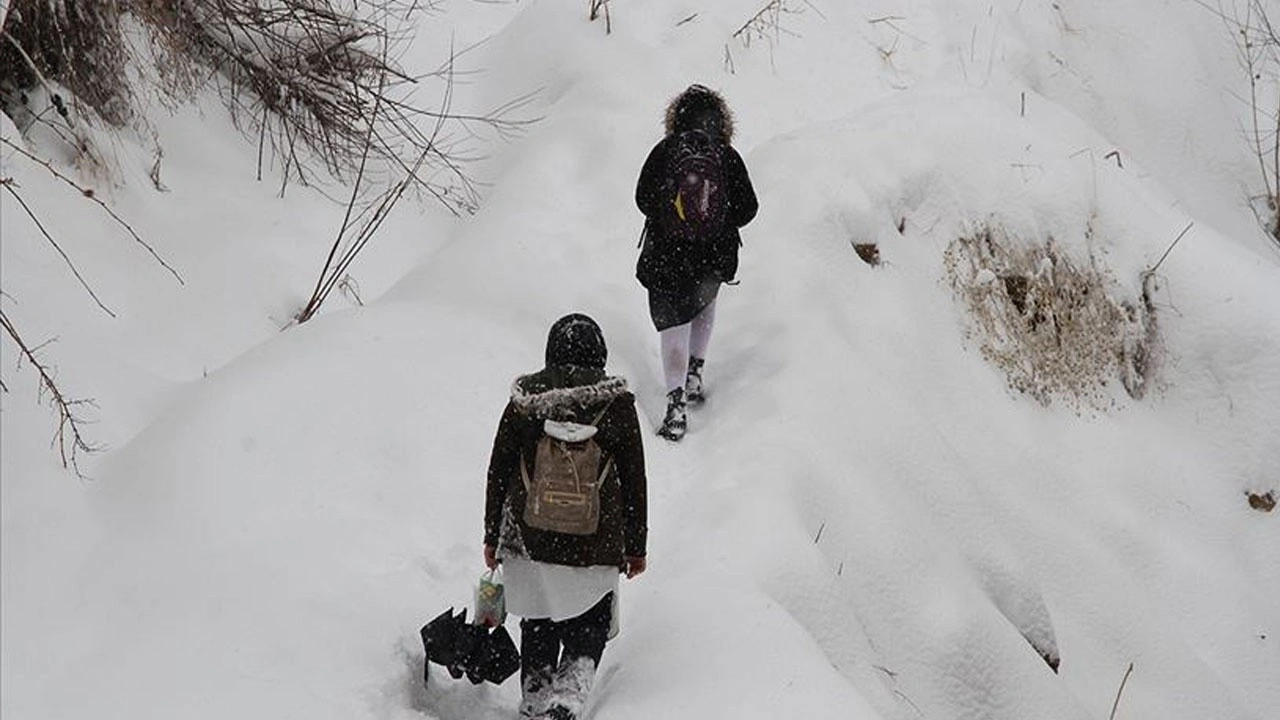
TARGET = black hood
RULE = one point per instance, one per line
(576, 340)
(574, 378)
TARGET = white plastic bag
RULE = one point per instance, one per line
(491, 601)
(615, 624)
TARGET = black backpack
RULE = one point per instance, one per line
(695, 198)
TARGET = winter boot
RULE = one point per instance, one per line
(535, 695)
(560, 712)
(693, 382)
(676, 421)
(572, 684)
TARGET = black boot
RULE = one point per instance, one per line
(676, 421)
(535, 692)
(693, 394)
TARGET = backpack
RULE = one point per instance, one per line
(563, 494)
(695, 198)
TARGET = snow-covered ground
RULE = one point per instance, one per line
(864, 521)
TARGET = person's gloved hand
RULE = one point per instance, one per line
(490, 557)
(635, 565)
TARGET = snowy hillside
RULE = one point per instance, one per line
(865, 520)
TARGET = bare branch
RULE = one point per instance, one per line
(68, 438)
(1119, 692)
(300, 77)
(89, 193)
(1169, 249)
(766, 25)
(9, 184)
(313, 75)
(1258, 50)
(316, 296)
(375, 212)
(596, 8)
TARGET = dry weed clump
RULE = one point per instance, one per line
(315, 83)
(1058, 328)
(77, 44)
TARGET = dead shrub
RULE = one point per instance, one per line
(1257, 37)
(1058, 328)
(315, 83)
(77, 44)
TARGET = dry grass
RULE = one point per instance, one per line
(314, 83)
(1056, 326)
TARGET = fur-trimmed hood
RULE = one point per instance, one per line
(696, 101)
(560, 393)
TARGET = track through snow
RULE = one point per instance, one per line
(863, 521)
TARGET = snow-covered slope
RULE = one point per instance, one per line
(864, 521)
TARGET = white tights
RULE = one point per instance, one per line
(683, 341)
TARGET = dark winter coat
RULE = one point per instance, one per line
(577, 394)
(666, 264)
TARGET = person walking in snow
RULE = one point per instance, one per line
(695, 193)
(565, 513)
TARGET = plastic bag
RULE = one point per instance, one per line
(615, 623)
(491, 601)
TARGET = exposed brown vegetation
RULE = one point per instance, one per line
(1057, 327)
(314, 82)
(869, 252)
(76, 43)
(1264, 502)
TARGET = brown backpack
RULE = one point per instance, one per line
(563, 494)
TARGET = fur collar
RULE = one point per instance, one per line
(535, 399)
(718, 104)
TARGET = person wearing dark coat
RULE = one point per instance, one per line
(683, 278)
(564, 586)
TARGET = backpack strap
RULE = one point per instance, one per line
(608, 461)
(600, 415)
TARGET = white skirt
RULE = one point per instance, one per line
(559, 592)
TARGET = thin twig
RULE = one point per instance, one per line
(380, 207)
(318, 295)
(1123, 680)
(1168, 250)
(771, 6)
(1250, 61)
(86, 192)
(8, 184)
(68, 421)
